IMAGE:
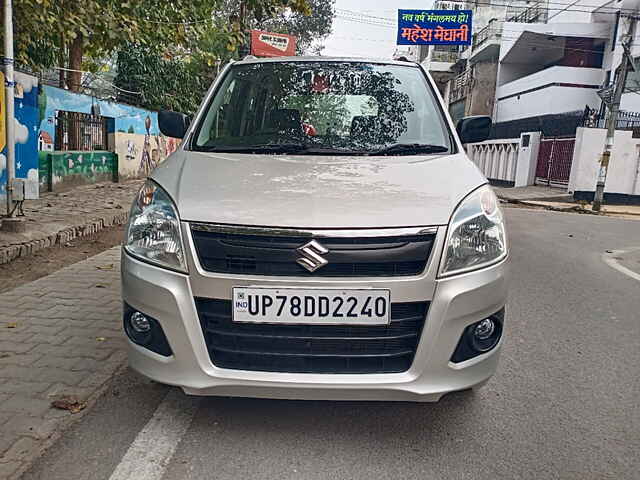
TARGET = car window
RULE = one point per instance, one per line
(331, 113)
(347, 107)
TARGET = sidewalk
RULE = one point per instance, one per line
(57, 218)
(59, 336)
(533, 192)
(558, 199)
(623, 210)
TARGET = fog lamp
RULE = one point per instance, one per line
(484, 329)
(140, 323)
(479, 337)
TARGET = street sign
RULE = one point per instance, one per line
(267, 44)
(3, 115)
(434, 27)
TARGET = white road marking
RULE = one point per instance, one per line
(610, 259)
(150, 453)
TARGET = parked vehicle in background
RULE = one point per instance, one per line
(320, 233)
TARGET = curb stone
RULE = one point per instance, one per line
(12, 252)
(55, 219)
(567, 209)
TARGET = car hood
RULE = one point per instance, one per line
(309, 191)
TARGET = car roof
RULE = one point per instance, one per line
(250, 59)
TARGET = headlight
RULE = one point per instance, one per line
(153, 232)
(476, 236)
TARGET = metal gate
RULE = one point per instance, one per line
(80, 131)
(554, 160)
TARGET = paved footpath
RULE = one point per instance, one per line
(57, 218)
(59, 336)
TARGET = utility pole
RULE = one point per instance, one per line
(614, 107)
(9, 83)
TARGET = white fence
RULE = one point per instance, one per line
(496, 159)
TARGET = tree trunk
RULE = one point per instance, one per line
(61, 63)
(74, 78)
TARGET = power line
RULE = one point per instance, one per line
(96, 74)
(349, 19)
(562, 7)
(186, 22)
(344, 11)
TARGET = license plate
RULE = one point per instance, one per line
(311, 306)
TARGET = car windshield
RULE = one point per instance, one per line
(323, 107)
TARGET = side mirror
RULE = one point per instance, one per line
(173, 124)
(474, 129)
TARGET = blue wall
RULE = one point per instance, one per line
(35, 110)
(125, 116)
(26, 130)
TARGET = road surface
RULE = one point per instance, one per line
(563, 405)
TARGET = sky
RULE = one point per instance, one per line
(358, 39)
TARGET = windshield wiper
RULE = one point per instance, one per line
(410, 149)
(263, 148)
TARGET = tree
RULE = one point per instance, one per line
(74, 33)
(309, 26)
(163, 83)
(309, 30)
(131, 129)
(176, 77)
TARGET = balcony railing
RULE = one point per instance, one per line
(460, 86)
(538, 13)
(492, 30)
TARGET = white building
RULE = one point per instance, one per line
(466, 76)
(553, 59)
(532, 58)
(558, 66)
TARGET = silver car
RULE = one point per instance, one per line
(319, 234)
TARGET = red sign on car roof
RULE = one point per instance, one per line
(267, 44)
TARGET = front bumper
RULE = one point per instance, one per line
(455, 303)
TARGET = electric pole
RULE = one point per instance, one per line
(614, 107)
(9, 84)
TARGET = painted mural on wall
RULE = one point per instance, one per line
(127, 118)
(144, 147)
(27, 119)
(35, 112)
(139, 154)
(63, 170)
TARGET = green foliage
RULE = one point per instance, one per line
(176, 77)
(131, 129)
(50, 32)
(168, 51)
(164, 83)
(310, 29)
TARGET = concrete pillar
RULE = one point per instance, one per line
(527, 158)
(585, 163)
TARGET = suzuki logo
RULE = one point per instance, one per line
(311, 259)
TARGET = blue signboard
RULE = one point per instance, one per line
(434, 27)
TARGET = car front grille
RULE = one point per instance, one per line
(312, 348)
(276, 255)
